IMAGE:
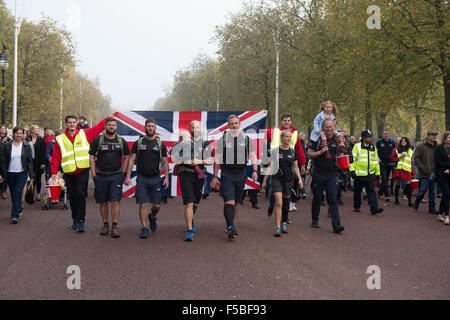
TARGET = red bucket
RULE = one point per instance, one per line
(344, 162)
(415, 185)
(53, 192)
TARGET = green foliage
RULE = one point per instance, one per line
(46, 55)
(391, 77)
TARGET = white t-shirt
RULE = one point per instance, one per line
(15, 165)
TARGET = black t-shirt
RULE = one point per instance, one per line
(322, 164)
(148, 157)
(109, 158)
(286, 163)
(199, 150)
(236, 150)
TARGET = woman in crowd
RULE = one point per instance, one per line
(442, 170)
(283, 180)
(403, 155)
(16, 164)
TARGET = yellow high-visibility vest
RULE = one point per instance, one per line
(276, 139)
(74, 156)
(365, 162)
(406, 163)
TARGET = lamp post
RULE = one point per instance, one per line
(277, 75)
(4, 66)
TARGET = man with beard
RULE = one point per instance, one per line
(106, 155)
(148, 153)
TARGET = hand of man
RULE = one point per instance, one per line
(447, 171)
(127, 181)
(255, 176)
(166, 183)
(213, 182)
(42, 166)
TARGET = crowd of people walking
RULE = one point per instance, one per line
(328, 164)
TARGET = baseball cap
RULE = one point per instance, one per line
(432, 133)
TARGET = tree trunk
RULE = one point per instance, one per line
(447, 100)
(352, 125)
(368, 111)
(381, 123)
(418, 127)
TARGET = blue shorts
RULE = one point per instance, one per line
(148, 189)
(108, 188)
(233, 185)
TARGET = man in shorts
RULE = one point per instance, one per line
(232, 153)
(192, 156)
(148, 153)
(107, 153)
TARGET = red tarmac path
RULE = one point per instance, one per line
(411, 248)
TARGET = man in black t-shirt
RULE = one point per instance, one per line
(232, 153)
(325, 176)
(109, 155)
(192, 155)
(148, 153)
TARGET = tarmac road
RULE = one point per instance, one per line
(410, 248)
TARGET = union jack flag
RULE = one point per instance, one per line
(130, 126)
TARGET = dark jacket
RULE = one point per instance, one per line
(385, 150)
(5, 158)
(39, 152)
(441, 160)
(423, 159)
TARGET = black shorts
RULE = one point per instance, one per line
(233, 185)
(108, 188)
(285, 187)
(191, 187)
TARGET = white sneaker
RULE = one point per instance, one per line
(290, 206)
(447, 221)
(294, 208)
(441, 218)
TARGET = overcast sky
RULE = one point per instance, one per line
(135, 46)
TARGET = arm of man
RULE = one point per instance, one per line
(131, 163)
(92, 165)
(165, 160)
(93, 132)
(55, 160)
(126, 158)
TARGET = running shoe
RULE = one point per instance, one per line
(441, 218)
(81, 227)
(153, 225)
(75, 225)
(232, 233)
(277, 232)
(190, 236)
(284, 227)
(14, 221)
(144, 233)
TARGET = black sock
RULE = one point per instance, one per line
(397, 190)
(155, 211)
(285, 210)
(228, 211)
(408, 193)
(114, 224)
(106, 224)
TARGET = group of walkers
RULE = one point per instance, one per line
(80, 152)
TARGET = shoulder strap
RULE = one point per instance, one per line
(139, 143)
(100, 142)
(121, 144)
